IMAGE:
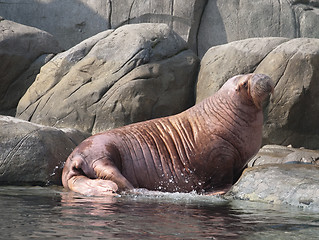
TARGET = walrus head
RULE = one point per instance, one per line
(257, 87)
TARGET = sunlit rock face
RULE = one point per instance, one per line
(134, 73)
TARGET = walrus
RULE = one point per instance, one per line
(200, 149)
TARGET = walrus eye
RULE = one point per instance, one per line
(242, 85)
(245, 85)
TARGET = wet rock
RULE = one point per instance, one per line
(293, 184)
(275, 154)
(290, 114)
(134, 73)
(225, 21)
(23, 50)
(34, 154)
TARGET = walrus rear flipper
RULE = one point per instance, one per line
(103, 178)
(78, 177)
(92, 187)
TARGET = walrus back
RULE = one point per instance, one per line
(155, 154)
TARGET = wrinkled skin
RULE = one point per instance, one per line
(200, 149)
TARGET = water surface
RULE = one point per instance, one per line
(52, 213)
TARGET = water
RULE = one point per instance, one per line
(52, 213)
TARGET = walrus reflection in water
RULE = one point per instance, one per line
(200, 149)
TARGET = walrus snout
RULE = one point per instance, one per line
(261, 86)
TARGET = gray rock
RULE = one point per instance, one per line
(293, 184)
(23, 50)
(292, 110)
(68, 21)
(134, 73)
(225, 21)
(182, 16)
(202, 23)
(275, 154)
(73, 21)
(34, 154)
(225, 61)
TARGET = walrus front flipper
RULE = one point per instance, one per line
(92, 187)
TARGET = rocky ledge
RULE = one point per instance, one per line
(281, 175)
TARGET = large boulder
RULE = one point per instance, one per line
(23, 50)
(225, 21)
(73, 21)
(134, 73)
(290, 117)
(225, 61)
(292, 184)
(293, 112)
(34, 154)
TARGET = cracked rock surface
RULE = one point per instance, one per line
(201, 23)
(23, 50)
(225, 21)
(34, 154)
(134, 73)
(73, 21)
(292, 64)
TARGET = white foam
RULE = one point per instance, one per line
(175, 197)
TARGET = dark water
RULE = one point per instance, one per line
(52, 213)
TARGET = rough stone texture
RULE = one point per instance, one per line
(225, 21)
(72, 21)
(275, 154)
(182, 16)
(202, 23)
(293, 66)
(222, 62)
(23, 50)
(293, 184)
(137, 72)
(293, 111)
(34, 154)
(69, 21)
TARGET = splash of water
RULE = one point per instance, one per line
(141, 194)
